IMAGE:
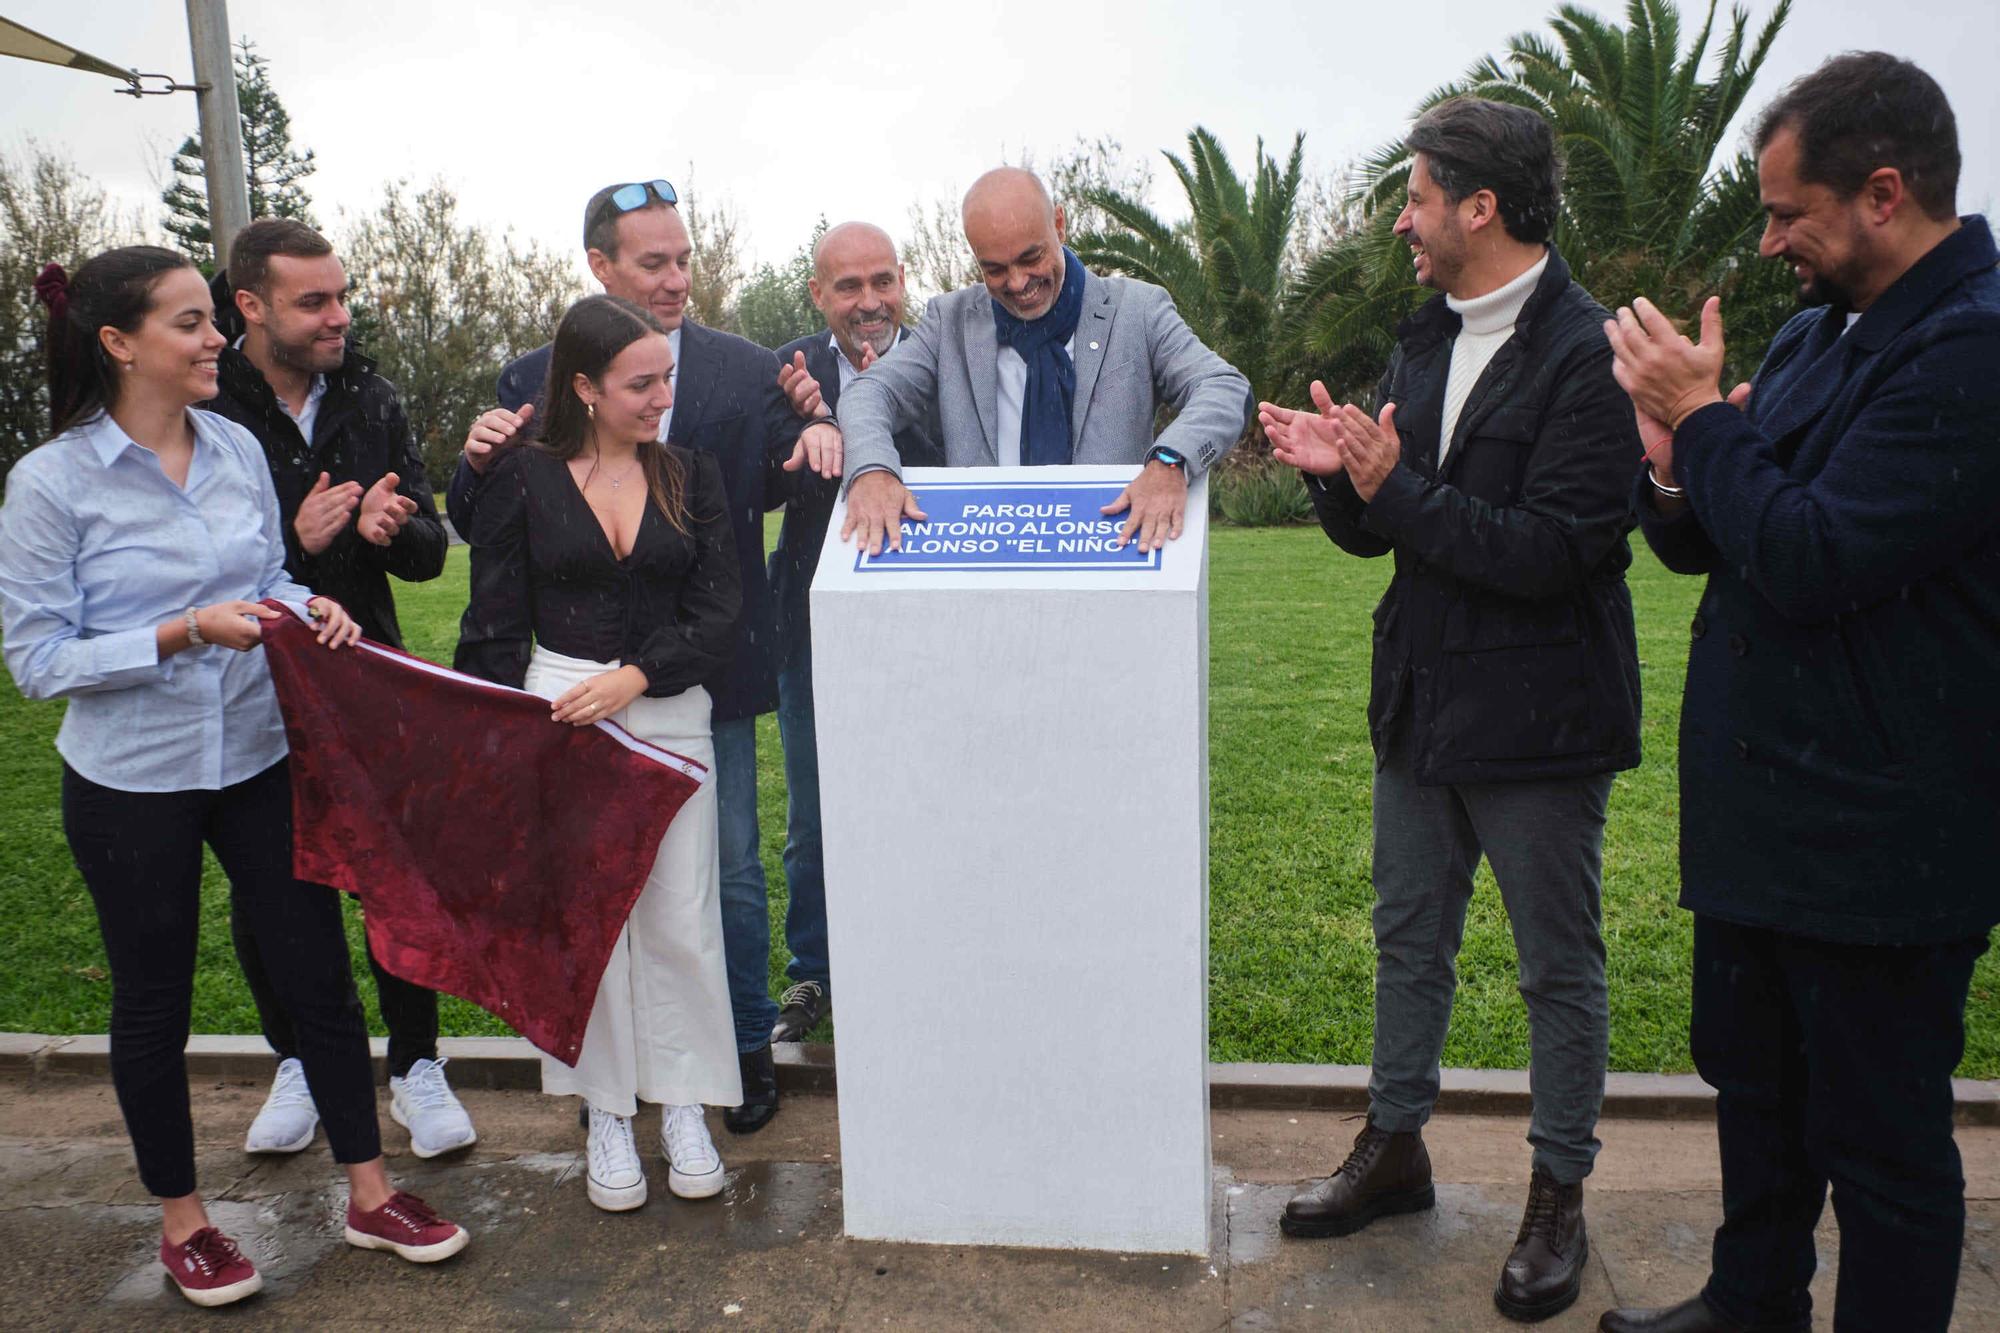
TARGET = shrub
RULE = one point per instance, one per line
(1259, 494)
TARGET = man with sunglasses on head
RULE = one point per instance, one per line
(727, 401)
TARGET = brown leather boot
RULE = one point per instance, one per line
(1545, 1272)
(1384, 1173)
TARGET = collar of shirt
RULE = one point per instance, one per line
(315, 391)
(673, 378)
(848, 370)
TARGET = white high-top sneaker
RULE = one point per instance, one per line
(617, 1181)
(288, 1117)
(694, 1166)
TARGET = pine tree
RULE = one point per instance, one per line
(273, 168)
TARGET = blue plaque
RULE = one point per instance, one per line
(1013, 525)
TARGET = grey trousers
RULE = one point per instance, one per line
(1544, 840)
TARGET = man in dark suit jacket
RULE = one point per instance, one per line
(727, 402)
(857, 284)
(1840, 734)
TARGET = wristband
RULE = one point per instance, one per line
(193, 628)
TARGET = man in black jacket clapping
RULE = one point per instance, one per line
(356, 509)
(1506, 682)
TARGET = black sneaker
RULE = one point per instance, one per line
(801, 1009)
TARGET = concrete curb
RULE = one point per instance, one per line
(511, 1063)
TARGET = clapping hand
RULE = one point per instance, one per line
(1667, 376)
(323, 513)
(383, 511)
(1305, 440)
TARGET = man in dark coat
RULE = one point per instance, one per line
(727, 402)
(1506, 683)
(1840, 734)
(356, 509)
(857, 284)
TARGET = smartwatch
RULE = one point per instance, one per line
(1172, 458)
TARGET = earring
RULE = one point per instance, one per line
(590, 410)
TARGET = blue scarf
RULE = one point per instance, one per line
(1042, 343)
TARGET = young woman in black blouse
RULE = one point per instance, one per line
(603, 578)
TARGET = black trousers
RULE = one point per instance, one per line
(140, 856)
(1832, 1064)
(409, 1011)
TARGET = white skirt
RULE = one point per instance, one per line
(661, 1029)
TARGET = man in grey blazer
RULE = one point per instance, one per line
(994, 365)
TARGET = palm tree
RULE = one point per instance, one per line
(1645, 208)
(1225, 265)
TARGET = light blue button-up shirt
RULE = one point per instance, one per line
(98, 547)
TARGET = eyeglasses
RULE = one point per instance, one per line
(628, 197)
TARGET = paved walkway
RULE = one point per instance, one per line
(79, 1235)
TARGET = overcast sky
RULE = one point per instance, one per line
(525, 106)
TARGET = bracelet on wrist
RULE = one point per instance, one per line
(193, 628)
(1671, 492)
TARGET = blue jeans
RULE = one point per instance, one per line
(746, 913)
(805, 873)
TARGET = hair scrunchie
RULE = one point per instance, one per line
(52, 286)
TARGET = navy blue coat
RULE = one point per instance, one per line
(796, 555)
(726, 402)
(1840, 734)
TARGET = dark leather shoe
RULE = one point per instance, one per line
(1545, 1272)
(1693, 1316)
(760, 1092)
(804, 1006)
(1384, 1173)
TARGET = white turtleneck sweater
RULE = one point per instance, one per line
(1488, 322)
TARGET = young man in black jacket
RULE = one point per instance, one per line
(356, 509)
(1840, 733)
(1506, 682)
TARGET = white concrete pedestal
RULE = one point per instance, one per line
(1014, 793)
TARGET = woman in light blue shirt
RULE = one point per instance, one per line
(135, 548)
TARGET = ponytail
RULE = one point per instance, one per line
(113, 289)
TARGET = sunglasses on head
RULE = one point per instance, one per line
(628, 197)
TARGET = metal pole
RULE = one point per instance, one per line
(221, 124)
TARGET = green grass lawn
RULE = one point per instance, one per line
(1290, 959)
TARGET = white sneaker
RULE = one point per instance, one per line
(288, 1118)
(422, 1102)
(617, 1181)
(694, 1166)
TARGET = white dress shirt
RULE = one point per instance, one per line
(98, 547)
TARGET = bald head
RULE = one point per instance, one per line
(858, 285)
(1016, 233)
(841, 242)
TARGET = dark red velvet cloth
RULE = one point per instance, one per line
(496, 853)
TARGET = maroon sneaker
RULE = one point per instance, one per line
(407, 1226)
(209, 1269)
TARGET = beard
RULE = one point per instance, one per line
(1826, 289)
(307, 356)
